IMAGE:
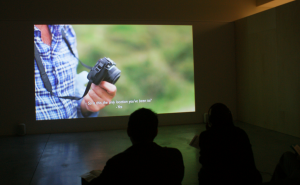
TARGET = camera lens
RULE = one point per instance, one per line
(113, 74)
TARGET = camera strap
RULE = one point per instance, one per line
(44, 75)
(69, 46)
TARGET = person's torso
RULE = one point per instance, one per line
(230, 156)
(60, 66)
(153, 165)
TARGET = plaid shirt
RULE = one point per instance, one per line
(60, 66)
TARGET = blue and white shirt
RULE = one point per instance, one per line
(60, 66)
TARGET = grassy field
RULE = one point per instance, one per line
(156, 63)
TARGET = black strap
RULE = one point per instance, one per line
(46, 80)
(43, 73)
(78, 98)
(69, 46)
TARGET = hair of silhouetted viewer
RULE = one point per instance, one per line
(220, 115)
(142, 124)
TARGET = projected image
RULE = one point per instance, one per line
(125, 67)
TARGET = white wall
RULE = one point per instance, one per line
(268, 69)
(214, 56)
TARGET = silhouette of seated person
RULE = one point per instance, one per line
(287, 170)
(225, 151)
(144, 162)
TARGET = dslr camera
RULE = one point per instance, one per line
(104, 70)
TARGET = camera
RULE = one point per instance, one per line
(104, 70)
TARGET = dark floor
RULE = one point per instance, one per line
(61, 158)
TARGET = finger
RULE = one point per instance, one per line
(96, 98)
(110, 88)
(102, 93)
(89, 103)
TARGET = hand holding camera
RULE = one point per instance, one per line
(103, 77)
(104, 92)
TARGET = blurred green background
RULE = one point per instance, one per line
(156, 62)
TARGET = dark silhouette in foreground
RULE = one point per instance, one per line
(225, 151)
(287, 171)
(144, 162)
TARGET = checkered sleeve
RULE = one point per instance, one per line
(61, 68)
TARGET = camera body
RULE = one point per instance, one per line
(104, 70)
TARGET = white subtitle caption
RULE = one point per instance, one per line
(121, 102)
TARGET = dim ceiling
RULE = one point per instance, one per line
(79, 11)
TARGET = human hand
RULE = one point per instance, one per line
(104, 92)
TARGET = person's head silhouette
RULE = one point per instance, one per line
(142, 126)
(219, 115)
